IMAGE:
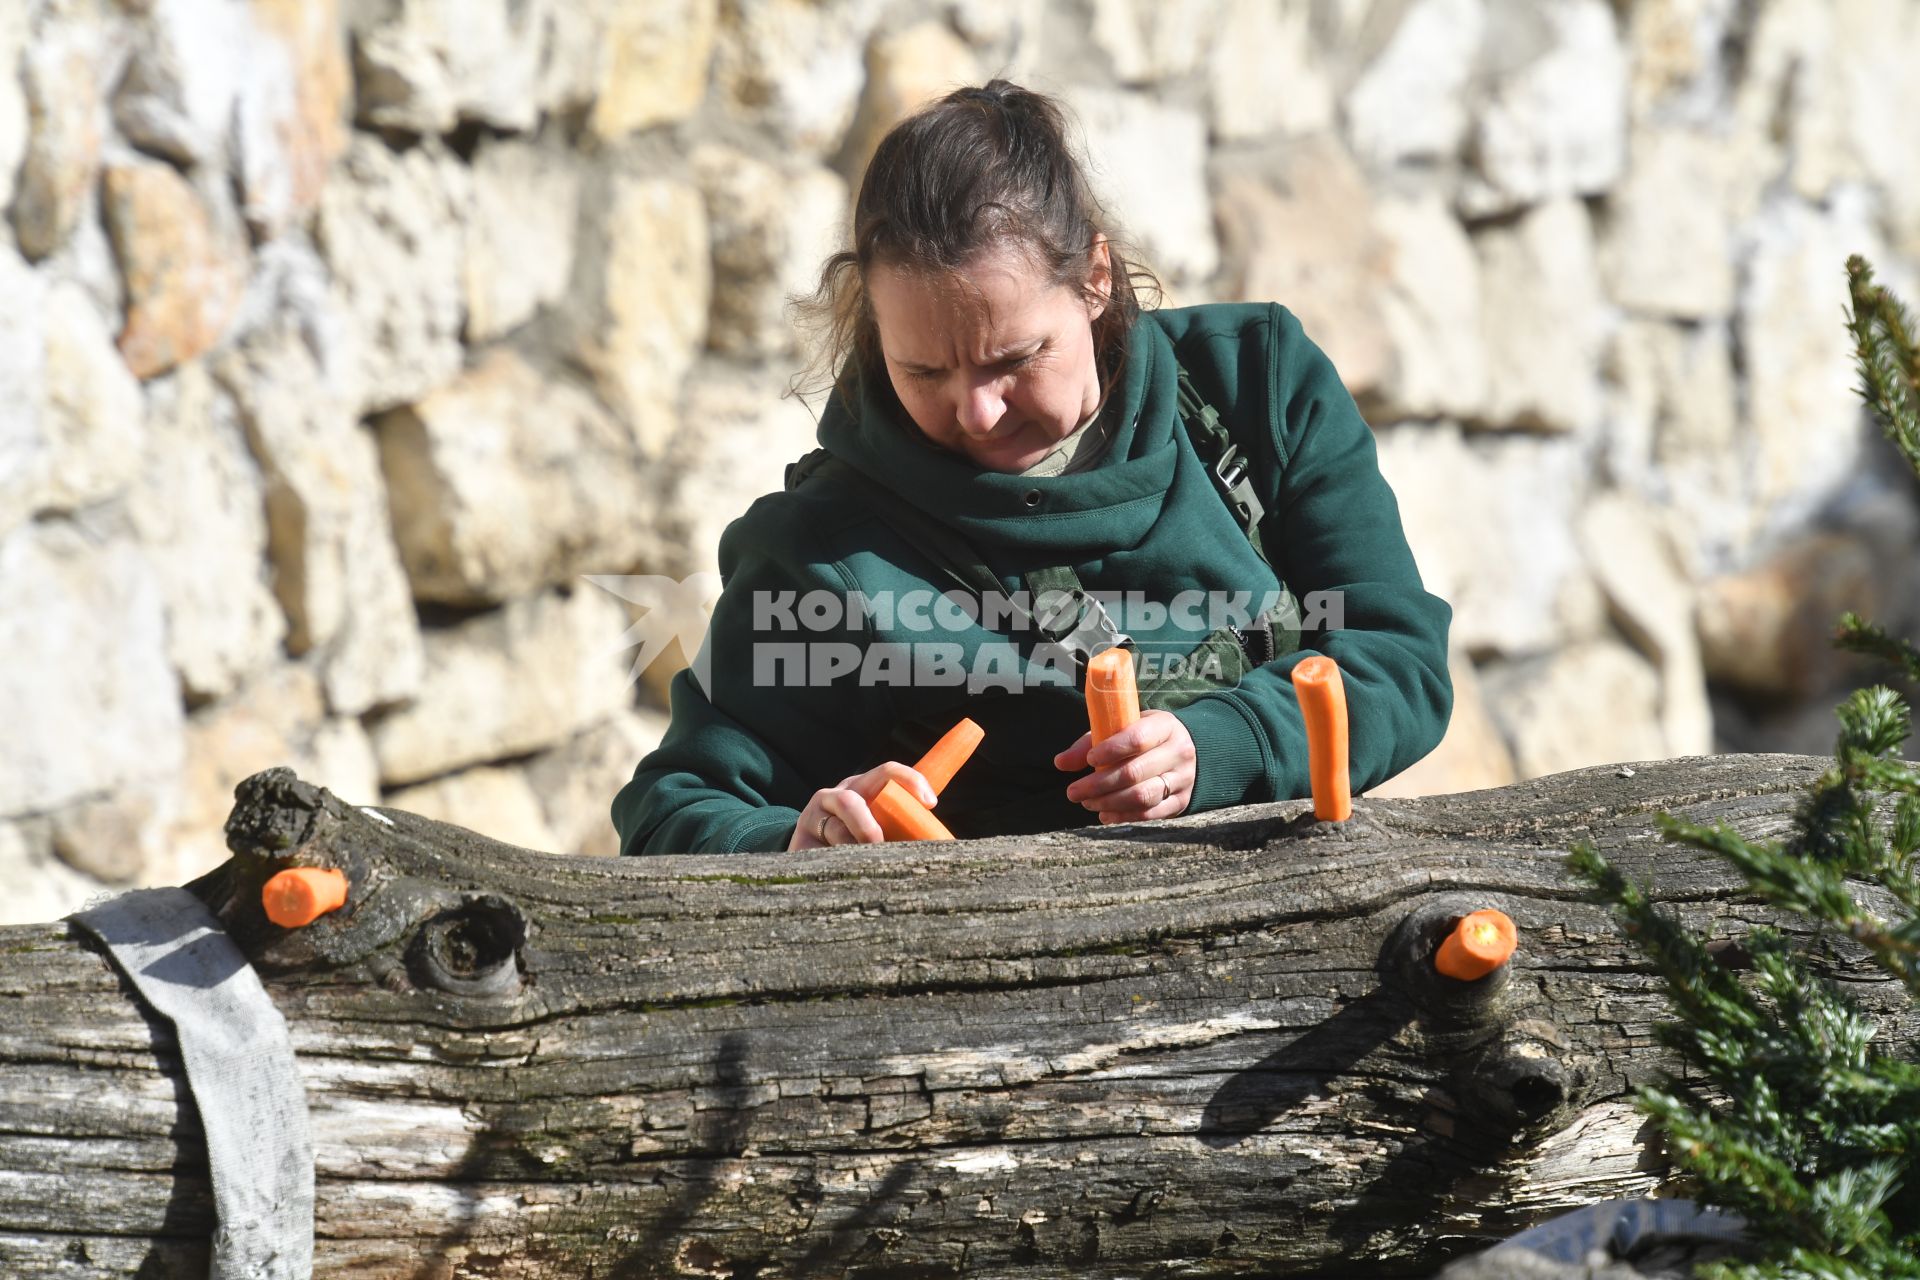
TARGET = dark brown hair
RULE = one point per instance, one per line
(980, 169)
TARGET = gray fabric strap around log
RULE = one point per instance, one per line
(240, 1069)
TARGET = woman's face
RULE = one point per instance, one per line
(992, 361)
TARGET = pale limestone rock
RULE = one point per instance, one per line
(1151, 40)
(1542, 314)
(1312, 247)
(509, 480)
(741, 432)
(178, 96)
(1471, 757)
(640, 314)
(657, 53)
(1431, 307)
(40, 886)
(61, 75)
(1805, 427)
(1674, 57)
(1147, 163)
(391, 231)
(576, 781)
(1877, 47)
(1003, 30)
(24, 447)
(336, 570)
(184, 260)
(424, 66)
(1489, 522)
(1795, 72)
(1410, 101)
(198, 506)
(93, 413)
(88, 694)
(520, 235)
(87, 258)
(905, 71)
(576, 43)
(1595, 702)
(292, 120)
(120, 837)
(1630, 550)
(772, 227)
(508, 682)
(1554, 119)
(1670, 404)
(1264, 75)
(14, 124)
(1666, 230)
(497, 802)
(794, 67)
(277, 718)
(1768, 628)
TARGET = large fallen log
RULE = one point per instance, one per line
(1210, 1046)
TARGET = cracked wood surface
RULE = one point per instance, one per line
(1209, 1046)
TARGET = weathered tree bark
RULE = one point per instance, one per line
(1211, 1046)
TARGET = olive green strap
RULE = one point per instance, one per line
(1226, 464)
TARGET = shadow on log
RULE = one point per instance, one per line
(1209, 1046)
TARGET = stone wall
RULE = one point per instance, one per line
(343, 337)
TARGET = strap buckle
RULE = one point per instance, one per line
(1231, 474)
(1078, 623)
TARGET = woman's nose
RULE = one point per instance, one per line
(982, 405)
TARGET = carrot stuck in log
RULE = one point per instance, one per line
(300, 895)
(1479, 944)
(1323, 705)
(1113, 699)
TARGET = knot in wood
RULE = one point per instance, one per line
(471, 949)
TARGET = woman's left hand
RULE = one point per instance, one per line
(1144, 771)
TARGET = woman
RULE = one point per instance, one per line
(1021, 466)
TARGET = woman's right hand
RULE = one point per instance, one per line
(839, 815)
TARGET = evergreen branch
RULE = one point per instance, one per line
(1856, 634)
(1888, 358)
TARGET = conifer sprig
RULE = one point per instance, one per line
(1888, 358)
(1792, 1114)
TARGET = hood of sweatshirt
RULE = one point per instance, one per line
(1110, 506)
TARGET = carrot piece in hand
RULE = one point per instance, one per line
(301, 895)
(1478, 945)
(1323, 705)
(902, 817)
(1113, 700)
(944, 758)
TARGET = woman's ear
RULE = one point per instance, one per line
(1099, 277)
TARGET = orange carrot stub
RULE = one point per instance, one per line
(899, 814)
(301, 895)
(1323, 704)
(1478, 945)
(1113, 699)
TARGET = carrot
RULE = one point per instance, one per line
(1478, 945)
(944, 758)
(902, 817)
(301, 895)
(1113, 700)
(1323, 704)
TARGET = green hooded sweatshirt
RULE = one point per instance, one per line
(827, 652)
